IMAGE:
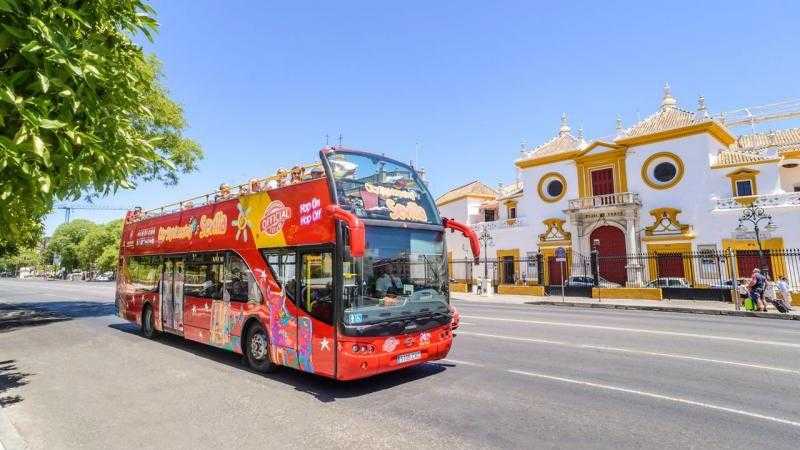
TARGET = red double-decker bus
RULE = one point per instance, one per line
(337, 268)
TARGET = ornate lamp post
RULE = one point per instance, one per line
(486, 239)
(755, 215)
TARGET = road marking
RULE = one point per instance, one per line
(659, 397)
(466, 323)
(465, 363)
(637, 352)
(752, 341)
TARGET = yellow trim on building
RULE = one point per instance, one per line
(549, 250)
(626, 293)
(790, 154)
(613, 159)
(556, 226)
(544, 178)
(710, 127)
(778, 263)
(744, 175)
(681, 169)
(512, 289)
(458, 287)
(533, 162)
(514, 253)
(683, 231)
(655, 249)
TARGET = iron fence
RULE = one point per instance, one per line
(701, 275)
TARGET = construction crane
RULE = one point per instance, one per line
(69, 208)
(774, 112)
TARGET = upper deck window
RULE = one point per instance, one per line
(374, 187)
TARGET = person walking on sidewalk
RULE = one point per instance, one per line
(784, 295)
(756, 287)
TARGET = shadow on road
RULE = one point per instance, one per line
(28, 314)
(323, 389)
(10, 378)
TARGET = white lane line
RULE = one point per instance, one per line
(464, 363)
(637, 352)
(466, 323)
(752, 341)
(659, 397)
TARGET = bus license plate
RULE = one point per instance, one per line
(408, 357)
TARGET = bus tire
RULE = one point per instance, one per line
(257, 349)
(148, 322)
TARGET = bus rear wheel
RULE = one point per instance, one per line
(148, 323)
(257, 349)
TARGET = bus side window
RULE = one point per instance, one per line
(144, 273)
(203, 275)
(282, 266)
(239, 283)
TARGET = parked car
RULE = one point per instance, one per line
(105, 276)
(669, 282)
(580, 281)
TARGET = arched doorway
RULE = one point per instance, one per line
(612, 260)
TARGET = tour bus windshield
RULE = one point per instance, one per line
(401, 275)
(373, 187)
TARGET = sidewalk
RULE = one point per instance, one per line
(682, 306)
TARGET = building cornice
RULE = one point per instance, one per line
(711, 127)
(466, 196)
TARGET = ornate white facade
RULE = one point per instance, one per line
(674, 182)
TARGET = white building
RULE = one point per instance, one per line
(675, 182)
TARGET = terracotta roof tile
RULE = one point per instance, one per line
(471, 189)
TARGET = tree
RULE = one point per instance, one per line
(66, 241)
(82, 109)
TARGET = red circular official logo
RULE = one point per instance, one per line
(275, 216)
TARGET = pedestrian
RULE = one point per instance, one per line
(784, 300)
(756, 287)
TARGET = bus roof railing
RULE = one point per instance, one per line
(281, 178)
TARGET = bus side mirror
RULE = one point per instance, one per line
(468, 233)
(355, 226)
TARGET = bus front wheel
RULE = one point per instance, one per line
(257, 349)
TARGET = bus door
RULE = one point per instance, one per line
(171, 294)
(240, 296)
(315, 301)
(201, 284)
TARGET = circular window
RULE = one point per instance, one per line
(665, 172)
(662, 170)
(552, 187)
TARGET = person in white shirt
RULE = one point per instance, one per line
(783, 290)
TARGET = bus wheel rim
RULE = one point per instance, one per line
(258, 346)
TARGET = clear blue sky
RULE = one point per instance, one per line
(262, 83)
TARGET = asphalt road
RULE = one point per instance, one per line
(73, 375)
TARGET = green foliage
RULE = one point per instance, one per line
(66, 242)
(26, 257)
(82, 110)
(82, 244)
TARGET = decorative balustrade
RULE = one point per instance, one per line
(607, 200)
(500, 224)
(788, 199)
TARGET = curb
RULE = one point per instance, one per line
(713, 312)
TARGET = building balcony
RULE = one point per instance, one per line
(500, 224)
(615, 200)
(783, 200)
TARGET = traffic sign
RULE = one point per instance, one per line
(561, 254)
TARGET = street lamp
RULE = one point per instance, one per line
(755, 215)
(486, 240)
